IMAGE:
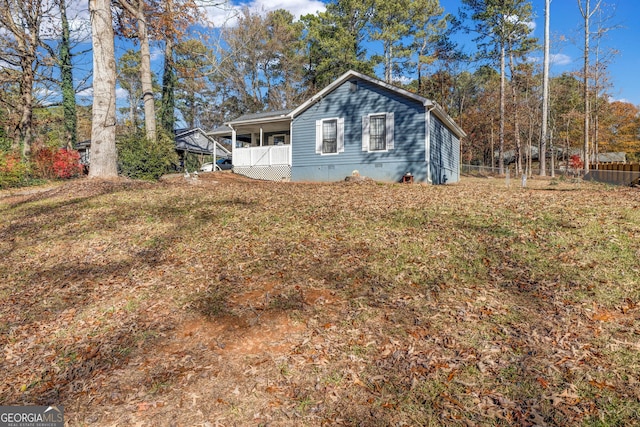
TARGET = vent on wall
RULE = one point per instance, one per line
(353, 86)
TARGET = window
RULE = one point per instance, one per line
(279, 139)
(330, 136)
(377, 132)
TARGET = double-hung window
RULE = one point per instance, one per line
(330, 136)
(377, 132)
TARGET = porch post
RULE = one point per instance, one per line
(233, 144)
(291, 143)
(261, 136)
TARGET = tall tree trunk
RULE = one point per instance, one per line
(587, 107)
(145, 74)
(502, 111)
(25, 126)
(103, 162)
(167, 115)
(516, 122)
(545, 93)
(66, 74)
(586, 12)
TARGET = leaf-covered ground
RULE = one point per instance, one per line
(226, 301)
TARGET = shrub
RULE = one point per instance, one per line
(140, 158)
(66, 163)
(56, 163)
(13, 171)
(576, 163)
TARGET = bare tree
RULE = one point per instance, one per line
(103, 128)
(22, 21)
(587, 12)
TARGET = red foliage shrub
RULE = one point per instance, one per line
(66, 163)
(575, 162)
(53, 163)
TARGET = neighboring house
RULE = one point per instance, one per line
(612, 157)
(198, 142)
(357, 123)
(187, 141)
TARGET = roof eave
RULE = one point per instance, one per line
(445, 118)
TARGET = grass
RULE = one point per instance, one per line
(250, 303)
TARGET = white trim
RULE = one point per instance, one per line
(427, 142)
(233, 142)
(291, 142)
(389, 136)
(339, 122)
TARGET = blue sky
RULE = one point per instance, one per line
(567, 40)
(566, 36)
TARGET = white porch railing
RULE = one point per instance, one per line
(272, 155)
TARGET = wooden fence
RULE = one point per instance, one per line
(615, 173)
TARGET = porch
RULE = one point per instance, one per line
(269, 155)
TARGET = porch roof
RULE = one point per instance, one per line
(268, 121)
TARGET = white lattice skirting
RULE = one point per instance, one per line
(266, 173)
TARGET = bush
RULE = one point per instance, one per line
(66, 163)
(13, 172)
(56, 163)
(140, 158)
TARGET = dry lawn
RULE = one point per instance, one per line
(225, 301)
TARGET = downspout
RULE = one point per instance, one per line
(428, 142)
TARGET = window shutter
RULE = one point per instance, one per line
(389, 124)
(318, 136)
(365, 133)
(341, 135)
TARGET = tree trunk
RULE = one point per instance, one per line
(25, 126)
(516, 123)
(587, 106)
(545, 93)
(66, 74)
(145, 74)
(103, 162)
(167, 116)
(586, 12)
(502, 112)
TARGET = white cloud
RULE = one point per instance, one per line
(156, 53)
(121, 93)
(515, 19)
(560, 59)
(226, 14)
(88, 92)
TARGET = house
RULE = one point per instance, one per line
(194, 141)
(357, 123)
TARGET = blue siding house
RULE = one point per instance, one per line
(357, 123)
